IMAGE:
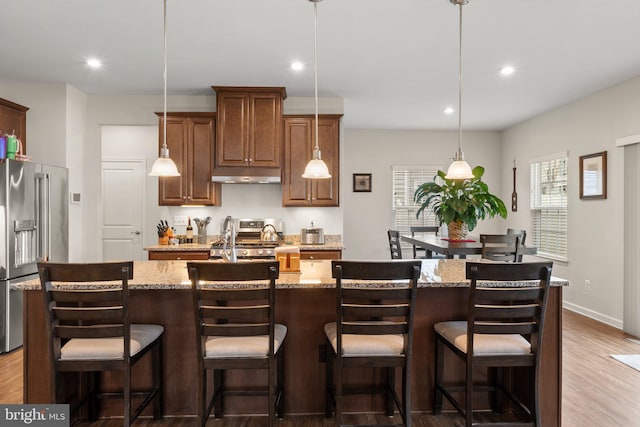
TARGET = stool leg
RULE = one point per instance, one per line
(437, 393)
(280, 382)
(218, 389)
(272, 391)
(390, 386)
(328, 384)
(156, 366)
(127, 395)
(406, 396)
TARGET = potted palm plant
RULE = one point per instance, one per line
(459, 203)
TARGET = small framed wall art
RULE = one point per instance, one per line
(361, 182)
(593, 176)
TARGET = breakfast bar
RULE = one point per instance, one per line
(305, 301)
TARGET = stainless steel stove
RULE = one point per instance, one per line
(248, 242)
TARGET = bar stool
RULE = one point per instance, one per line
(89, 331)
(236, 329)
(503, 329)
(374, 328)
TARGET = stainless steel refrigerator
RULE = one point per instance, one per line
(34, 217)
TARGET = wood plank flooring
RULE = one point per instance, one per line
(597, 389)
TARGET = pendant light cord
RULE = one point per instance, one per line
(315, 68)
(164, 74)
(460, 84)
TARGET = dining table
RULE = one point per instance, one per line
(451, 248)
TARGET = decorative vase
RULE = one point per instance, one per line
(458, 230)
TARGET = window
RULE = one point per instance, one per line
(406, 179)
(549, 206)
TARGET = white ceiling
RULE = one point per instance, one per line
(394, 62)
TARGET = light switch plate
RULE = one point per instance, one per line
(179, 220)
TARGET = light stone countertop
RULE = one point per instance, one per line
(331, 243)
(166, 275)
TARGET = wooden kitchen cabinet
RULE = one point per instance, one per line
(179, 255)
(190, 139)
(249, 133)
(13, 118)
(299, 141)
(320, 254)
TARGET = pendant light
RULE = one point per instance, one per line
(316, 168)
(164, 166)
(459, 169)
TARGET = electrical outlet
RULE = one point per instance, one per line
(179, 220)
(587, 285)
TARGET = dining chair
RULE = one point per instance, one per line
(89, 332)
(500, 247)
(373, 329)
(523, 238)
(504, 328)
(394, 244)
(236, 329)
(419, 252)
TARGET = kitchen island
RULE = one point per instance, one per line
(305, 301)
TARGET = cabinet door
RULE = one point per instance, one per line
(299, 140)
(191, 145)
(232, 137)
(173, 189)
(296, 191)
(265, 130)
(201, 191)
(325, 191)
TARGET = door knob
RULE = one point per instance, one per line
(137, 233)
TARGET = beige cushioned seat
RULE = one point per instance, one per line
(251, 346)
(110, 348)
(456, 333)
(365, 345)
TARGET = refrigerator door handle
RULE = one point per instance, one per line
(42, 221)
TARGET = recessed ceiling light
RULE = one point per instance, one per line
(297, 66)
(94, 63)
(507, 70)
(448, 110)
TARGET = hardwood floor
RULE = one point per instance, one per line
(597, 389)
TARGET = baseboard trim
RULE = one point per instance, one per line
(616, 323)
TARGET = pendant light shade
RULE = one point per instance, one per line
(164, 166)
(316, 168)
(459, 169)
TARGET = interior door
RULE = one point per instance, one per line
(122, 209)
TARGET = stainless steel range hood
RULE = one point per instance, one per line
(246, 179)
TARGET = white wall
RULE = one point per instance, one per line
(368, 215)
(595, 226)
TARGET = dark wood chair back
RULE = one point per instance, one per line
(422, 252)
(234, 311)
(394, 244)
(500, 247)
(357, 305)
(504, 309)
(523, 238)
(95, 311)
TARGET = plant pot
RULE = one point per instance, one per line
(458, 230)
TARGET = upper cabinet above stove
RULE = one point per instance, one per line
(249, 131)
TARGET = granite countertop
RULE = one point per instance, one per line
(331, 243)
(313, 274)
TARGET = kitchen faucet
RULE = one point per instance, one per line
(229, 233)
